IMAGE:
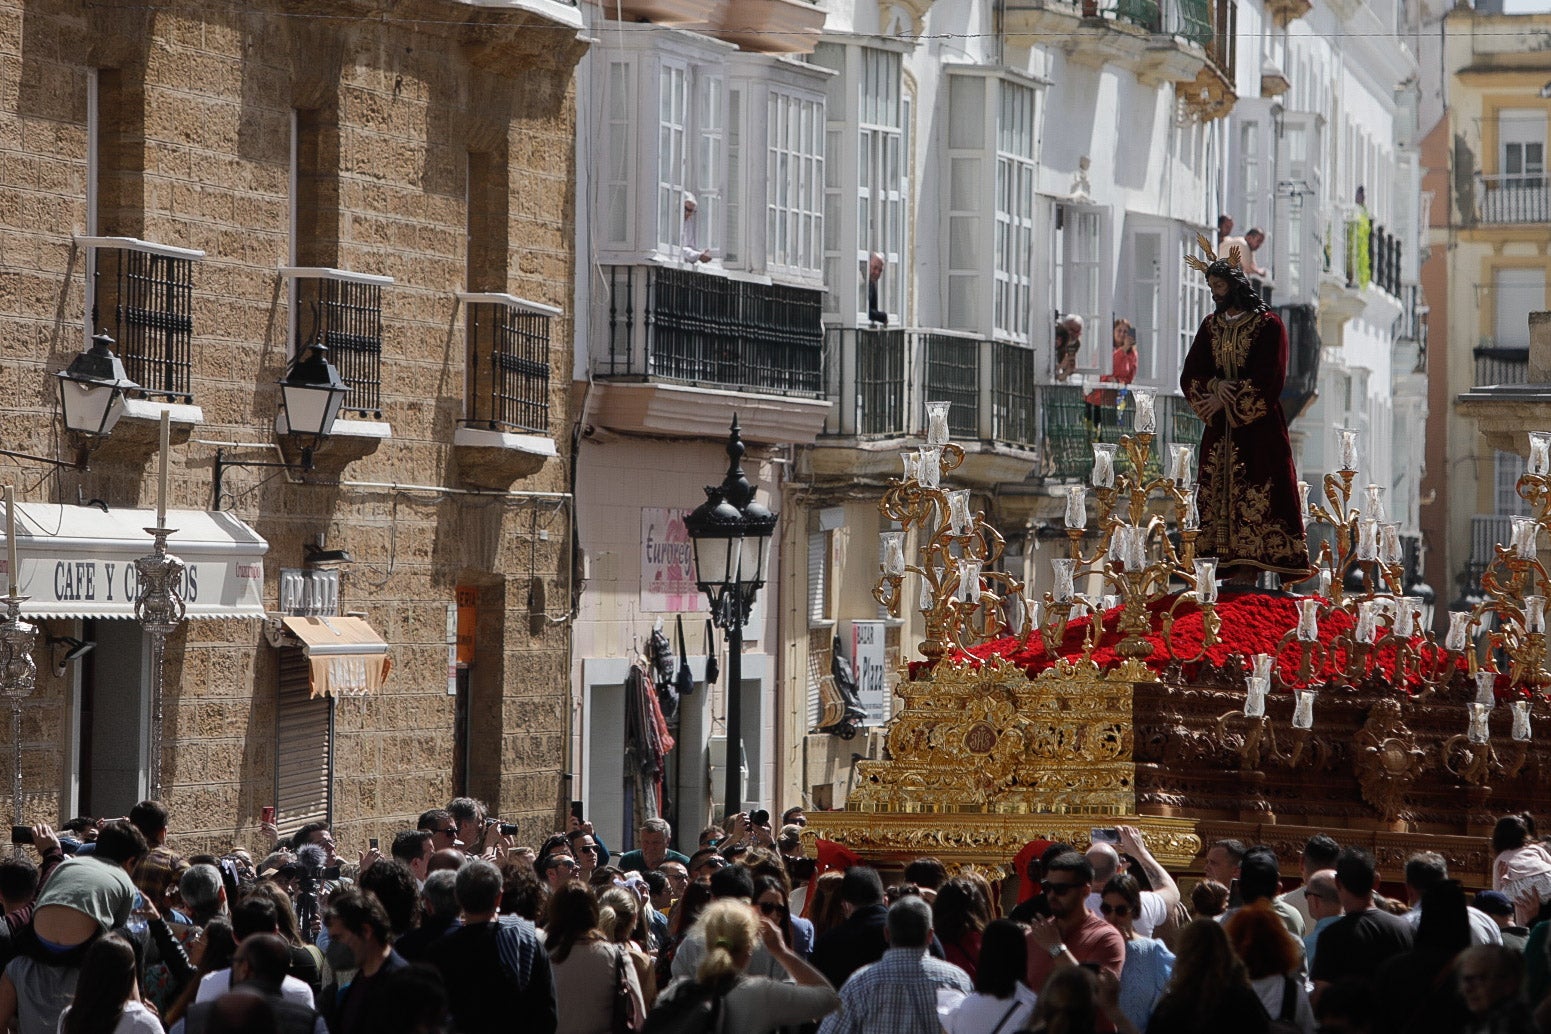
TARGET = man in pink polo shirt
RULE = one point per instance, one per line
(1073, 936)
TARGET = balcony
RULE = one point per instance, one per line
(882, 378)
(1496, 365)
(1034, 22)
(1303, 350)
(659, 12)
(505, 432)
(1512, 199)
(682, 349)
(1362, 268)
(768, 26)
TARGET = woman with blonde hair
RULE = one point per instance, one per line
(619, 917)
(753, 1005)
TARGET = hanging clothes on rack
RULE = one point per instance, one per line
(647, 742)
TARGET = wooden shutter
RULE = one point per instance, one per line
(304, 747)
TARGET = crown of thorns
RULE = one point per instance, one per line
(1200, 265)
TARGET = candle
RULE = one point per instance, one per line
(908, 460)
(929, 467)
(1539, 452)
(1459, 631)
(1033, 613)
(1063, 568)
(937, 423)
(1534, 613)
(1521, 731)
(1524, 536)
(1303, 499)
(1181, 464)
(893, 553)
(1373, 503)
(1479, 731)
(1348, 449)
(161, 485)
(1103, 466)
(1192, 515)
(1303, 710)
(958, 512)
(969, 581)
(1366, 621)
(1389, 543)
(1255, 697)
(1146, 420)
(1135, 556)
(1367, 540)
(1206, 580)
(1076, 508)
(1262, 666)
(1325, 578)
(1486, 687)
(12, 582)
(1308, 619)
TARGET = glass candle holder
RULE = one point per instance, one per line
(1303, 709)
(1479, 728)
(1459, 631)
(1325, 579)
(1103, 465)
(937, 423)
(959, 520)
(1181, 464)
(1308, 620)
(1063, 568)
(1390, 551)
(1367, 621)
(929, 467)
(1373, 503)
(1524, 536)
(1076, 507)
(1539, 453)
(1405, 617)
(1486, 687)
(969, 581)
(1534, 613)
(1348, 448)
(1367, 540)
(1206, 580)
(1255, 697)
(1135, 555)
(1146, 420)
(893, 553)
(1303, 500)
(909, 461)
(1261, 666)
(1521, 729)
(1192, 519)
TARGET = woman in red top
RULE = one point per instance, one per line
(958, 918)
(1102, 402)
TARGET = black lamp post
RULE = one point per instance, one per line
(731, 535)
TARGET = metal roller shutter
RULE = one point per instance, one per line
(304, 747)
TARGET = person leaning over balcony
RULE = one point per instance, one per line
(875, 311)
(1103, 402)
(691, 251)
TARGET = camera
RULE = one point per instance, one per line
(759, 817)
(21, 834)
(508, 829)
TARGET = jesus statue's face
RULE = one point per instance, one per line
(1220, 288)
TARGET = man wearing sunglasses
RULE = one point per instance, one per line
(1073, 935)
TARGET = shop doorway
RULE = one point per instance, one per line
(112, 719)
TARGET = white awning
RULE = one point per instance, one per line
(347, 655)
(79, 561)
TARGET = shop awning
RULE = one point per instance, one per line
(347, 656)
(79, 561)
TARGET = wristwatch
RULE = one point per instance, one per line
(1056, 952)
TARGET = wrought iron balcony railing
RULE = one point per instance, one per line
(1513, 199)
(345, 316)
(1496, 365)
(146, 301)
(1369, 255)
(700, 328)
(508, 368)
(1070, 426)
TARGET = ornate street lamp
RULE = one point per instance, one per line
(731, 537)
(91, 390)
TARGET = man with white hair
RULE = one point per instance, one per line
(1156, 903)
(654, 837)
(902, 992)
(691, 251)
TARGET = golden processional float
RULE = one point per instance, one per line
(1159, 703)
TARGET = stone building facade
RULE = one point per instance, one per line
(224, 186)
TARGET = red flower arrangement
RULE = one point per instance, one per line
(1251, 623)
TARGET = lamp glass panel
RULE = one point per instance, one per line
(754, 550)
(714, 560)
(89, 408)
(309, 409)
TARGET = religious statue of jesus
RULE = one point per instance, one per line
(1251, 517)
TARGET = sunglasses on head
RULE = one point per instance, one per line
(1115, 910)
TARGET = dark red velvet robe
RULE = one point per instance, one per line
(1248, 498)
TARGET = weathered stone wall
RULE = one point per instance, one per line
(197, 100)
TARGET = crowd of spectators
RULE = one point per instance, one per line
(459, 929)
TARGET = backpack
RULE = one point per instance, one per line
(691, 1008)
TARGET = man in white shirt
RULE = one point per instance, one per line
(1427, 869)
(254, 916)
(1156, 903)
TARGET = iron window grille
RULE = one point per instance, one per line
(343, 313)
(508, 364)
(143, 294)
